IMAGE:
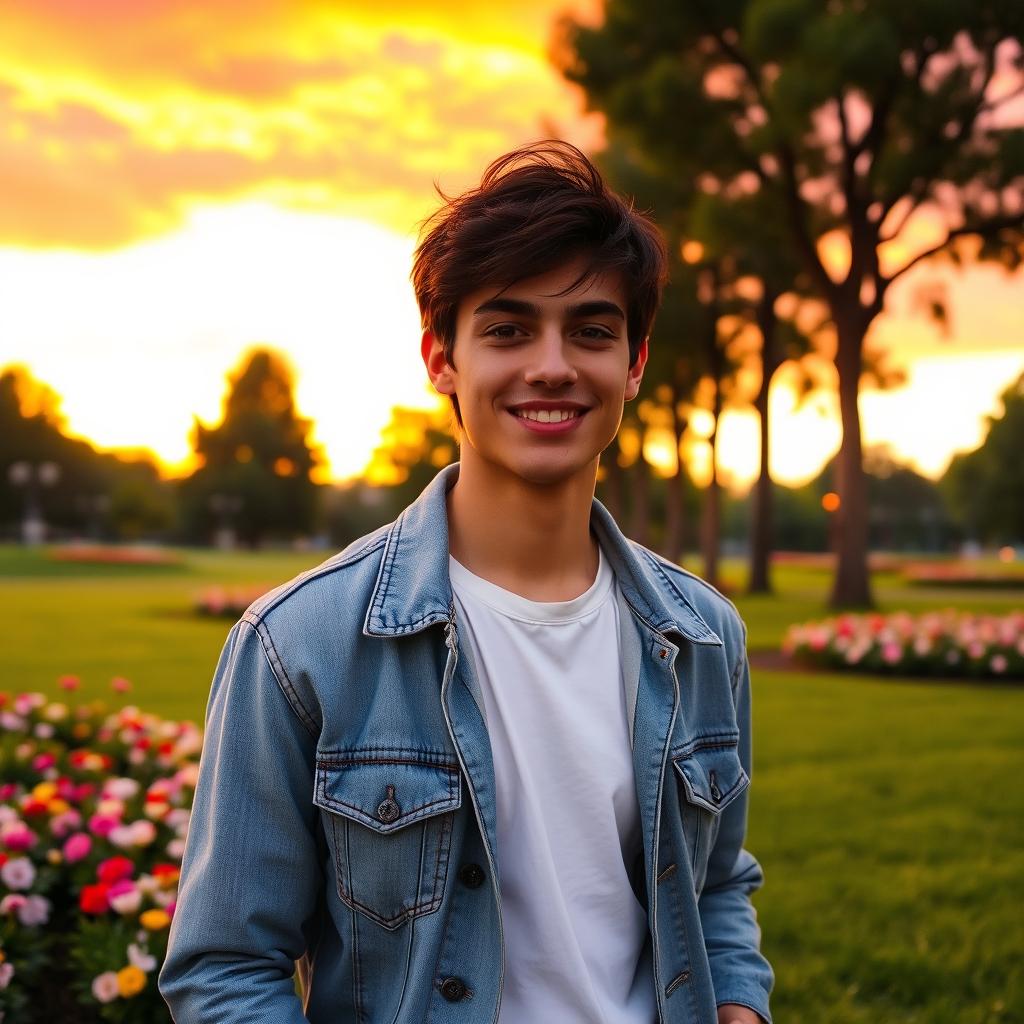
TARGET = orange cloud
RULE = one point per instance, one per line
(116, 117)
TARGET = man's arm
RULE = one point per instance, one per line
(250, 873)
(742, 977)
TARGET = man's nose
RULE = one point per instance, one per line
(550, 360)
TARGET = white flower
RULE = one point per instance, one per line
(104, 987)
(176, 849)
(127, 902)
(18, 873)
(36, 911)
(139, 957)
(122, 836)
(143, 832)
(43, 730)
(120, 789)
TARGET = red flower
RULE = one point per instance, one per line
(115, 870)
(33, 806)
(93, 899)
(4, 858)
(163, 870)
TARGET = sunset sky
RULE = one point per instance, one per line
(180, 181)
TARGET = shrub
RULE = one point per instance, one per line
(943, 643)
(94, 808)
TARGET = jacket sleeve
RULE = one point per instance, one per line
(739, 972)
(250, 877)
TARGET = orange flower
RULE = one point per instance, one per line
(130, 981)
(154, 920)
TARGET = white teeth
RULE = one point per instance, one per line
(548, 415)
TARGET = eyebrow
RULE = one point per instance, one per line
(519, 307)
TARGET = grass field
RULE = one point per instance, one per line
(888, 815)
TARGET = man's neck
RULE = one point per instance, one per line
(531, 539)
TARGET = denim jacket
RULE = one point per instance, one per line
(344, 817)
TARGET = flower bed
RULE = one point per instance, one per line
(228, 602)
(964, 574)
(943, 643)
(94, 807)
(114, 554)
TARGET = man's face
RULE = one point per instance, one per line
(541, 377)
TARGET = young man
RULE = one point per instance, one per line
(490, 763)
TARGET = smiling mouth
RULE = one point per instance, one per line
(547, 415)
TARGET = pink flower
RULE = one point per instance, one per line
(999, 663)
(120, 685)
(69, 682)
(36, 911)
(18, 836)
(65, 822)
(139, 957)
(12, 903)
(104, 987)
(43, 761)
(891, 653)
(125, 897)
(103, 824)
(18, 873)
(77, 847)
(6, 973)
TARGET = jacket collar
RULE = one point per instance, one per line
(413, 588)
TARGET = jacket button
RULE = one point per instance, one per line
(453, 989)
(388, 809)
(472, 876)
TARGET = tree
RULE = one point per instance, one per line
(863, 121)
(986, 486)
(255, 465)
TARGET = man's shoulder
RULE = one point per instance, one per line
(681, 585)
(337, 583)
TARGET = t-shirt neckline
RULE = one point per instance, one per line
(515, 606)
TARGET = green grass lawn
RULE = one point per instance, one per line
(888, 815)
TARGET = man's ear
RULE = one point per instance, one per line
(636, 372)
(438, 370)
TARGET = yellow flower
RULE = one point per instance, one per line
(54, 856)
(130, 981)
(44, 791)
(80, 730)
(155, 919)
(58, 806)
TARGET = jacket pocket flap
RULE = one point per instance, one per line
(386, 795)
(712, 775)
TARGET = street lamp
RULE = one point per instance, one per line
(31, 477)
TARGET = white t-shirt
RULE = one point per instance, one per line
(568, 822)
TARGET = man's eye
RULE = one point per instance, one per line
(503, 331)
(596, 333)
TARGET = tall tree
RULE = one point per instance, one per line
(255, 465)
(986, 486)
(870, 124)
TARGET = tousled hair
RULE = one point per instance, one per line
(534, 210)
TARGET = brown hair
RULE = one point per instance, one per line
(535, 209)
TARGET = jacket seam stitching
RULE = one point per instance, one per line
(280, 675)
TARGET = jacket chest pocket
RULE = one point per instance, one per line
(389, 826)
(711, 777)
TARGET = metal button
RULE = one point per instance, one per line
(472, 876)
(388, 810)
(453, 989)
(664, 653)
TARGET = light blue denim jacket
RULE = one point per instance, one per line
(344, 817)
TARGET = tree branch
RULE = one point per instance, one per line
(986, 229)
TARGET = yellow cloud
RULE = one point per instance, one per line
(111, 128)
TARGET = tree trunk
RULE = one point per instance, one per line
(675, 491)
(711, 514)
(762, 511)
(640, 505)
(851, 587)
